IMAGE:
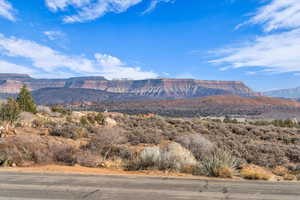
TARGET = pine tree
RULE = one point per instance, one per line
(26, 101)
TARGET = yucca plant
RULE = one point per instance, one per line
(218, 159)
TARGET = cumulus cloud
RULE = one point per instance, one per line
(51, 61)
(113, 68)
(7, 11)
(87, 10)
(273, 52)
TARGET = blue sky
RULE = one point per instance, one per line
(255, 41)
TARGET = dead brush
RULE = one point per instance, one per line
(254, 172)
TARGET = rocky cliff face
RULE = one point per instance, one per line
(169, 88)
(154, 88)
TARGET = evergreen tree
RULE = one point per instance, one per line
(26, 101)
(10, 111)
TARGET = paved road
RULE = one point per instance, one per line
(34, 186)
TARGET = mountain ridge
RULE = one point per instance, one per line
(152, 88)
(291, 93)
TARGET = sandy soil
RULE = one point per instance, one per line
(85, 170)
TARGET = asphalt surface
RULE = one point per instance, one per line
(36, 186)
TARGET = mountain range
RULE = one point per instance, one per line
(170, 97)
(100, 89)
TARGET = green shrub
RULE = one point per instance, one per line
(61, 110)
(84, 121)
(99, 118)
(10, 111)
(95, 118)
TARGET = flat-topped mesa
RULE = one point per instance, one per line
(88, 82)
(152, 88)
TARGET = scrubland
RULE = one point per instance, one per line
(201, 147)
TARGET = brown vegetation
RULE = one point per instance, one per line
(193, 145)
(254, 172)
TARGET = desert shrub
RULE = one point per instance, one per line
(61, 110)
(26, 101)
(280, 171)
(93, 118)
(254, 172)
(226, 172)
(68, 131)
(99, 118)
(150, 157)
(197, 144)
(84, 121)
(10, 111)
(65, 154)
(143, 136)
(266, 154)
(298, 177)
(289, 177)
(230, 120)
(218, 159)
(173, 157)
(30, 149)
(105, 140)
(88, 159)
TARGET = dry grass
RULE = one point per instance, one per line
(225, 172)
(280, 171)
(289, 177)
(254, 172)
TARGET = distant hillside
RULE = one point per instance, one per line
(293, 93)
(50, 96)
(209, 106)
(150, 88)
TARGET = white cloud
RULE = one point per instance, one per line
(43, 57)
(87, 10)
(278, 14)
(273, 52)
(54, 35)
(7, 11)
(154, 3)
(7, 67)
(53, 62)
(114, 68)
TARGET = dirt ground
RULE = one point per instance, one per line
(85, 170)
